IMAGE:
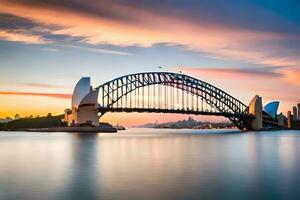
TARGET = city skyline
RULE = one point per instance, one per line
(251, 47)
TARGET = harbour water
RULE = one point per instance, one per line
(151, 164)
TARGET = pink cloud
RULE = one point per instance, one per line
(53, 95)
(21, 37)
(230, 73)
(286, 76)
(43, 85)
(292, 76)
(215, 39)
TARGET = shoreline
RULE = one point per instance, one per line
(69, 129)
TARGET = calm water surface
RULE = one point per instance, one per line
(140, 164)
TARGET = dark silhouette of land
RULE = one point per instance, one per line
(36, 122)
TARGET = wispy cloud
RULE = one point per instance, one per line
(52, 95)
(21, 37)
(35, 85)
(98, 50)
(50, 49)
(144, 27)
(229, 73)
(44, 85)
(107, 51)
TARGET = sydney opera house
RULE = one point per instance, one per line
(84, 111)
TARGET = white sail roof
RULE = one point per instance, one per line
(90, 98)
(81, 89)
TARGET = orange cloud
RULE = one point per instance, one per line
(292, 76)
(286, 76)
(53, 95)
(44, 85)
(21, 37)
(216, 40)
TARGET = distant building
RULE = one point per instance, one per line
(289, 117)
(298, 105)
(295, 113)
(281, 119)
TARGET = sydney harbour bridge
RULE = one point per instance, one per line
(164, 92)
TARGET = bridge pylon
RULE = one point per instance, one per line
(256, 109)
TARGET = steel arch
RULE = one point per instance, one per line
(112, 91)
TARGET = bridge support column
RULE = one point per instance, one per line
(255, 108)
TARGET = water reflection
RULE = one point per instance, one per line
(31, 165)
(147, 164)
(82, 178)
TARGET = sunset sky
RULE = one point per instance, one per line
(245, 47)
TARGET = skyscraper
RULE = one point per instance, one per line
(289, 116)
(295, 115)
(298, 118)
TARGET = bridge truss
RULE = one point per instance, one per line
(165, 92)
